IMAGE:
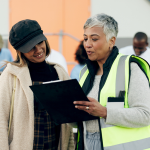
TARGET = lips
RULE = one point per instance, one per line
(89, 52)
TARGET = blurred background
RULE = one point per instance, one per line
(62, 20)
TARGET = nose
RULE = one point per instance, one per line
(37, 48)
(88, 44)
(137, 49)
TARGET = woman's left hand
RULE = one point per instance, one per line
(93, 107)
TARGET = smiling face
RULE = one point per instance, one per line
(96, 45)
(37, 54)
(139, 46)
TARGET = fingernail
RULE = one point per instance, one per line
(76, 106)
(74, 102)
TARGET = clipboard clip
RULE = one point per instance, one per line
(121, 94)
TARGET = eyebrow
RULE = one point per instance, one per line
(91, 35)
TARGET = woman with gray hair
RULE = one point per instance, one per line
(117, 87)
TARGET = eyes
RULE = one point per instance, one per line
(94, 39)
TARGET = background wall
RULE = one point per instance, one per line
(53, 16)
(69, 16)
(132, 16)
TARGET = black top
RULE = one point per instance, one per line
(41, 72)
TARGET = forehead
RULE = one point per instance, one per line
(93, 31)
(139, 43)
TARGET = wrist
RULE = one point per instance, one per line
(104, 115)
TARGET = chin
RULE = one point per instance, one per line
(39, 61)
(92, 59)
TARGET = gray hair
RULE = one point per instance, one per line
(109, 25)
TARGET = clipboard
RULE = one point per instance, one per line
(57, 98)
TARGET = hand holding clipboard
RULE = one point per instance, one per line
(57, 98)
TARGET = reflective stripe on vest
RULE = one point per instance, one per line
(115, 137)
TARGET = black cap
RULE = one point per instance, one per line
(25, 34)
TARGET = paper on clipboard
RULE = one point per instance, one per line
(51, 81)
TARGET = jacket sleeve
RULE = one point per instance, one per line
(138, 113)
(6, 85)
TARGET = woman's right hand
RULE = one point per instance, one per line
(93, 107)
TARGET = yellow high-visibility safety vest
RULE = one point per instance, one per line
(115, 137)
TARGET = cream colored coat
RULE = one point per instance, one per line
(22, 129)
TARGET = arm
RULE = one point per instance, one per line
(138, 113)
(6, 82)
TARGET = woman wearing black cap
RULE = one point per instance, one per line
(31, 127)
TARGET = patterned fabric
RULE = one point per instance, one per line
(44, 129)
(44, 132)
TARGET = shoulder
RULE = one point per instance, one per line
(134, 66)
(16, 70)
(137, 73)
(148, 50)
(127, 49)
(6, 75)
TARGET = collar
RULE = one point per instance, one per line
(93, 65)
(36, 66)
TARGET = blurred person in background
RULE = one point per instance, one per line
(32, 127)
(5, 55)
(80, 56)
(139, 48)
(57, 57)
(118, 93)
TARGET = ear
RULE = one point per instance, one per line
(112, 42)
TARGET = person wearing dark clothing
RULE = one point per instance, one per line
(32, 127)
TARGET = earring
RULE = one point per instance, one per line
(110, 48)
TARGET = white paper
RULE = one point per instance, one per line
(52, 81)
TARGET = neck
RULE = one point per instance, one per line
(101, 62)
(36, 66)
